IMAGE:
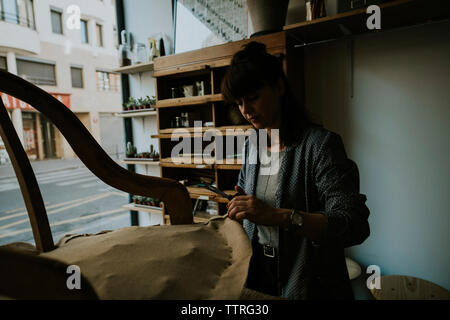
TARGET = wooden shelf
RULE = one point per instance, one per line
(229, 166)
(140, 161)
(135, 113)
(205, 194)
(198, 132)
(244, 128)
(394, 14)
(178, 102)
(188, 129)
(136, 68)
(170, 162)
(140, 207)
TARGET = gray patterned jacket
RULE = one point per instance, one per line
(315, 176)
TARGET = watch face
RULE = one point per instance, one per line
(297, 219)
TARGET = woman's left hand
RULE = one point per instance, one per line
(251, 208)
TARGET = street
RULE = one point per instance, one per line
(76, 202)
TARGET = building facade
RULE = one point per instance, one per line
(69, 49)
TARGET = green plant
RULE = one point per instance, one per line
(141, 103)
(131, 150)
(151, 101)
(130, 104)
(153, 154)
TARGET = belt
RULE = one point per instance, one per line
(268, 250)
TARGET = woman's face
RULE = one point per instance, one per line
(262, 108)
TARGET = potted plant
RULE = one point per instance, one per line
(131, 150)
(130, 104)
(141, 103)
(154, 155)
(150, 102)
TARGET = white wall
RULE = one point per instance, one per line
(396, 128)
(147, 18)
(101, 12)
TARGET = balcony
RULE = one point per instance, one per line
(20, 24)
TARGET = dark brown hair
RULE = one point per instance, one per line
(251, 69)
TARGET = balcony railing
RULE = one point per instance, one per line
(17, 19)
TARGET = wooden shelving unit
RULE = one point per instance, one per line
(208, 66)
(394, 14)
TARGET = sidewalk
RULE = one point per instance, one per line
(43, 166)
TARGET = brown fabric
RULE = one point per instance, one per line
(201, 261)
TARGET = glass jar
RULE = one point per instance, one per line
(140, 53)
(124, 55)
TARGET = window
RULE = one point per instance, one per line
(10, 11)
(18, 12)
(77, 77)
(107, 81)
(3, 63)
(84, 31)
(56, 21)
(39, 73)
(98, 29)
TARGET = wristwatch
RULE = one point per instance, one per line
(296, 218)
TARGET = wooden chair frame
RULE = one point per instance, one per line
(174, 195)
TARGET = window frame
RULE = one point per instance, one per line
(106, 77)
(3, 58)
(39, 61)
(80, 68)
(100, 42)
(60, 12)
(86, 30)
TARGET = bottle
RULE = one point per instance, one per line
(124, 49)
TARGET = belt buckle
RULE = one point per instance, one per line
(269, 251)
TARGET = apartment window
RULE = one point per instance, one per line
(107, 81)
(99, 31)
(3, 63)
(56, 16)
(84, 31)
(18, 12)
(10, 11)
(39, 73)
(77, 77)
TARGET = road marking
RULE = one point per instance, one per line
(18, 209)
(64, 177)
(105, 213)
(56, 205)
(58, 210)
(88, 185)
(68, 183)
(44, 176)
(60, 177)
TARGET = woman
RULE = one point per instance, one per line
(302, 216)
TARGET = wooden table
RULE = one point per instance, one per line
(397, 287)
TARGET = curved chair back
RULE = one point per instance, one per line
(174, 195)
